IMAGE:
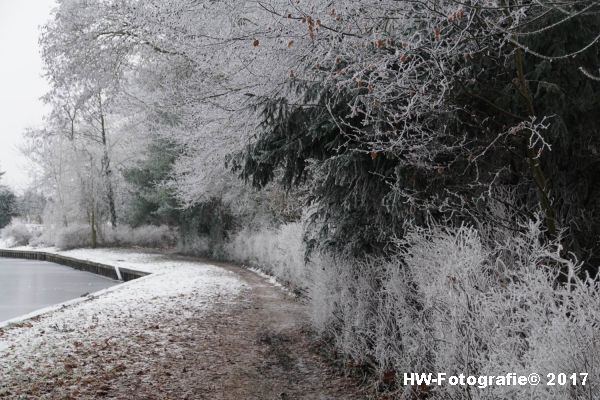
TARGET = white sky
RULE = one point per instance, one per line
(21, 83)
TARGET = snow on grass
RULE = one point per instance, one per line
(176, 289)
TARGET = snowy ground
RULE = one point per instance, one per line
(189, 330)
(169, 277)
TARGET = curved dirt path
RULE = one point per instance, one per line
(243, 343)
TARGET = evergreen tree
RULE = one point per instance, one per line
(347, 184)
(153, 201)
(7, 205)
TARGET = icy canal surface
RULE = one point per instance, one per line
(27, 286)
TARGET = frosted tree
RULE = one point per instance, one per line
(444, 101)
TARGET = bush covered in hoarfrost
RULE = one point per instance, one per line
(71, 237)
(448, 300)
(18, 234)
(448, 303)
(277, 251)
(80, 236)
(144, 236)
(196, 245)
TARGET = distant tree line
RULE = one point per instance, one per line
(29, 205)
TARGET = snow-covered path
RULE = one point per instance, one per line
(189, 330)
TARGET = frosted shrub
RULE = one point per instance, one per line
(347, 305)
(72, 237)
(358, 301)
(147, 236)
(154, 236)
(324, 295)
(80, 236)
(17, 234)
(450, 301)
(448, 268)
(277, 251)
(195, 245)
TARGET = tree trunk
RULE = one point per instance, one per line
(93, 225)
(106, 168)
(534, 163)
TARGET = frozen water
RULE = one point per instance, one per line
(27, 285)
